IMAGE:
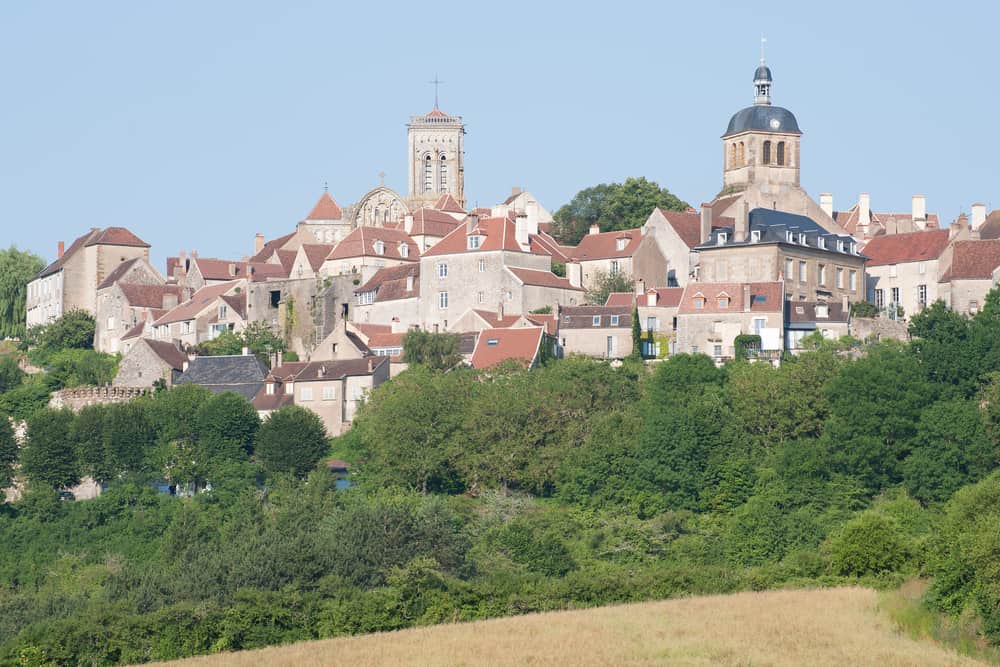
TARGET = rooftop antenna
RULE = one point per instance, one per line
(436, 83)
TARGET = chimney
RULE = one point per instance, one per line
(651, 297)
(742, 222)
(500, 310)
(826, 203)
(408, 223)
(595, 228)
(919, 208)
(747, 298)
(864, 210)
(978, 215)
(194, 254)
(371, 364)
(515, 191)
(574, 273)
(706, 223)
(640, 286)
(471, 222)
(232, 269)
(532, 210)
(245, 351)
(521, 229)
(169, 301)
(409, 283)
(281, 358)
(258, 243)
(62, 248)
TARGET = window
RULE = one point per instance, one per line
(789, 236)
(614, 320)
(755, 236)
(879, 297)
(366, 298)
(741, 154)
(270, 389)
(840, 245)
(111, 323)
(306, 394)
(428, 174)
(840, 278)
(275, 298)
(474, 242)
(404, 250)
(922, 295)
(821, 242)
(620, 244)
(732, 155)
(694, 349)
(596, 321)
(802, 271)
(510, 295)
(345, 267)
(492, 342)
(442, 270)
(922, 268)
(781, 153)
(329, 393)
(973, 307)
(802, 239)
(482, 266)
(442, 300)
(699, 302)
(721, 238)
(652, 324)
(481, 297)
(821, 274)
(852, 280)
(723, 302)
(789, 268)
(758, 324)
(223, 311)
(379, 247)
(892, 270)
(767, 152)
(289, 388)
(611, 346)
(717, 350)
(615, 267)
(895, 296)
(443, 184)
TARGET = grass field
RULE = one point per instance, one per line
(835, 627)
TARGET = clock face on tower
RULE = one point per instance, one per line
(775, 123)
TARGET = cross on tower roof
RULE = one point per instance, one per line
(763, 41)
(436, 83)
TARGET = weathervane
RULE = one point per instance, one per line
(436, 83)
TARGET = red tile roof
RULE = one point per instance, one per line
(116, 236)
(370, 330)
(389, 283)
(542, 279)
(543, 244)
(202, 299)
(495, 346)
(384, 340)
(901, 248)
(499, 234)
(307, 371)
(271, 247)
(495, 320)
(172, 356)
(325, 209)
(148, 296)
(547, 320)
(448, 203)
(850, 220)
(973, 260)
(668, 297)
(437, 113)
(582, 317)
(688, 225)
(620, 299)
(764, 297)
(430, 222)
(316, 253)
(605, 245)
(135, 331)
(361, 243)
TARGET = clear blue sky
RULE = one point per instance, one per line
(197, 124)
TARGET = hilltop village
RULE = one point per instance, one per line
(763, 265)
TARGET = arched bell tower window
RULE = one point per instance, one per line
(781, 153)
(741, 155)
(767, 153)
(428, 174)
(732, 156)
(443, 183)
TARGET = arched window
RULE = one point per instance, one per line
(443, 186)
(781, 153)
(732, 156)
(767, 153)
(428, 174)
(741, 158)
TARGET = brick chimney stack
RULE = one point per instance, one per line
(62, 248)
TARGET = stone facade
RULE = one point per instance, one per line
(436, 143)
(145, 363)
(78, 398)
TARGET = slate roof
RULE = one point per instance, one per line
(766, 297)
(325, 209)
(494, 346)
(902, 248)
(804, 312)
(312, 371)
(243, 374)
(773, 226)
(763, 118)
(537, 278)
(582, 317)
(389, 283)
(973, 260)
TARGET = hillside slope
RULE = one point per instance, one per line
(839, 626)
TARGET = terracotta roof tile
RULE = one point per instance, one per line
(764, 297)
(148, 296)
(495, 320)
(688, 225)
(901, 248)
(384, 340)
(325, 209)
(430, 222)
(620, 299)
(582, 317)
(265, 402)
(361, 243)
(448, 203)
(169, 353)
(202, 299)
(668, 297)
(316, 253)
(990, 229)
(973, 260)
(135, 332)
(389, 283)
(605, 245)
(543, 244)
(272, 247)
(498, 233)
(494, 346)
(117, 236)
(547, 320)
(542, 279)
(805, 311)
(74, 247)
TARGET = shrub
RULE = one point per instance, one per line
(868, 544)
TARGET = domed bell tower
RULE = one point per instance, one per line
(761, 144)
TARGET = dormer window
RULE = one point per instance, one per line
(270, 389)
(802, 239)
(379, 247)
(404, 250)
(822, 311)
(614, 320)
(597, 320)
(721, 238)
(289, 388)
(620, 244)
(474, 242)
(723, 301)
(840, 245)
(821, 243)
(788, 236)
(755, 236)
(699, 302)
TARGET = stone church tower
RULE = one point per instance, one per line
(436, 157)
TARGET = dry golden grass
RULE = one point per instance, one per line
(835, 627)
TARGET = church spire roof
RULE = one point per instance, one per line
(325, 209)
(762, 79)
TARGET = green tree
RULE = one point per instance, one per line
(437, 351)
(49, 458)
(870, 544)
(602, 284)
(612, 206)
(17, 269)
(291, 440)
(8, 452)
(11, 375)
(73, 330)
(227, 425)
(636, 333)
(88, 438)
(128, 438)
(75, 368)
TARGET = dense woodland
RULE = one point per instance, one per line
(481, 494)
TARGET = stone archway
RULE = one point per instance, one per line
(378, 207)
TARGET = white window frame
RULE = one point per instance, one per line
(596, 321)
(614, 320)
(442, 300)
(329, 393)
(305, 394)
(482, 265)
(755, 236)
(474, 242)
(442, 269)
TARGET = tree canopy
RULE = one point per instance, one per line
(437, 351)
(292, 439)
(612, 206)
(17, 269)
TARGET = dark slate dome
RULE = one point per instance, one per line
(763, 118)
(763, 73)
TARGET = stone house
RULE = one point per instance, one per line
(766, 246)
(527, 346)
(711, 315)
(242, 374)
(803, 318)
(971, 274)
(196, 272)
(603, 332)
(148, 361)
(334, 390)
(391, 296)
(344, 342)
(904, 269)
(862, 222)
(629, 252)
(325, 224)
(308, 261)
(477, 319)
(677, 233)
(488, 264)
(209, 312)
(367, 249)
(130, 295)
(657, 309)
(71, 281)
(426, 226)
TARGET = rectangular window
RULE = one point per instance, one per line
(802, 272)
(481, 297)
(699, 302)
(922, 268)
(596, 321)
(306, 394)
(270, 389)
(723, 302)
(717, 350)
(652, 324)
(289, 388)
(366, 298)
(611, 346)
(474, 242)
(482, 266)
(840, 278)
(721, 238)
(892, 270)
(880, 299)
(852, 280)
(789, 268)
(821, 242)
(615, 267)
(755, 236)
(922, 295)
(973, 307)
(442, 270)
(821, 274)
(614, 320)
(329, 393)
(895, 296)
(758, 324)
(442, 300)
(111, 323)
